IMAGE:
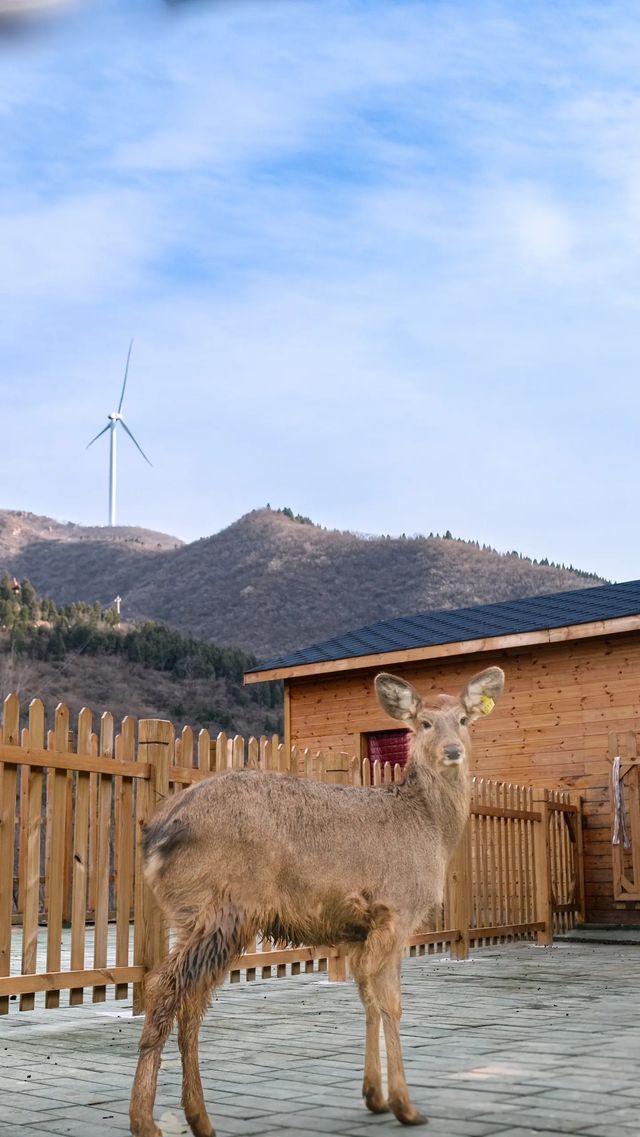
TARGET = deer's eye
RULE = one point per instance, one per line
(427, 725)
(464, 720)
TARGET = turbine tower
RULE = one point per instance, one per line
(116, 418)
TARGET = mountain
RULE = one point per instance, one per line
(270, 582)
(78, 562)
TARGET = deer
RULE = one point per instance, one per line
(247, 852)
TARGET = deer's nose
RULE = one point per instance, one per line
(453, 752)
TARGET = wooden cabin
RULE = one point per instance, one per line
(571, 705)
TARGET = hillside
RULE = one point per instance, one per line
(111, 683)
(267, 583)
(81, 656)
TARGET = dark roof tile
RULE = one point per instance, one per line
(429, 629)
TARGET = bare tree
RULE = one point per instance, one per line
(16, 675)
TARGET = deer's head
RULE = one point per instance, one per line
(440, 723)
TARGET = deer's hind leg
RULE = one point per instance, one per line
(181, 986)
(190, 1015)
(161, 997)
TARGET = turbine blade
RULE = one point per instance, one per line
(135, 443)
(126, 372)
(99, 435)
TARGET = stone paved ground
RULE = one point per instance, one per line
(516, 1041)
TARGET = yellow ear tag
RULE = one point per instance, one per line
(486, 704)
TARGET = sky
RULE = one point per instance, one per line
(380, 261)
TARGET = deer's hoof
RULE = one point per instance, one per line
(407, 1114)
(375, 1100)
(147, 1131)
(201, 1126)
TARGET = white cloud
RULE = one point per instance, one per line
(542, 231)
(74, 249)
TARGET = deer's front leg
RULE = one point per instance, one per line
(386, 986)
(372, 1082)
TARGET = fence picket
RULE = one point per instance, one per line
(8, 787)
(528, 830)
(105, 792)
(80, 857)
(32, 850)
(222, 753)
(520, 881)
(266, 761)
(497, 797)
(125, 851)
(498, 836)
(57, 796)
(237, 753)
(283, 759)
(308, 764)
(253, 754)
(512, 800)
(204, 752)
(22, 820)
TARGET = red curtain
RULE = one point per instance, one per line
(389, 746)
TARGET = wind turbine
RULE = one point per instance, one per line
(114, 418)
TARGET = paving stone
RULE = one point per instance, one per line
(520, 1132)
(13, 1103)
(629, 1115)
(23, 1115)
(607, 1129)
(73, 1127)
(232, 1126)
(13, 1130)
(538, 1121)
(437, 1128)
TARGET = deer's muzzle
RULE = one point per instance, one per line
(452, 753)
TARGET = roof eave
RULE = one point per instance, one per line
(442, 651)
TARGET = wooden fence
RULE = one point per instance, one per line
(73, 804)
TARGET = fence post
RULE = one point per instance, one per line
(542, 859)
(150, 939)
(460, 894)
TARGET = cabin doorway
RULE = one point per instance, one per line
(393, 746)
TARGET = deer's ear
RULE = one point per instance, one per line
(397, 698)
(482, 692)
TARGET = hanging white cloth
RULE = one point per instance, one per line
(617, 794)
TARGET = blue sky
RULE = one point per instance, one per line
(380, 259)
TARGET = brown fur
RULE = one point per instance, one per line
(246, 853)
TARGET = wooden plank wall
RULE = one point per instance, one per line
(550, 728)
